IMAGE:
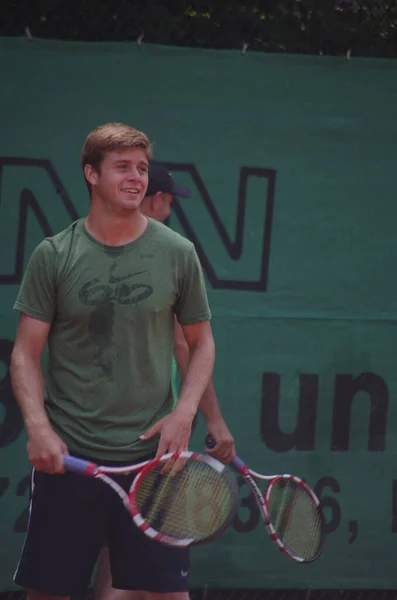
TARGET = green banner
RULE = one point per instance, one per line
(292, 164)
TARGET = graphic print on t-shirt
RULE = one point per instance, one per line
(104, 297)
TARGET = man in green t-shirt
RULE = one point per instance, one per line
(102, 295)
(157, 205)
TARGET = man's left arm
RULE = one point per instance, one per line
(199, 368)
(175, 429)
(224, 449)
(193, 313)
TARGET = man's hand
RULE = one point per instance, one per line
(175, 430)
(46, 449)
(224, 449)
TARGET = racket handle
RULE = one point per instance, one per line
(239, 465)
(236, 463)
(78, 465)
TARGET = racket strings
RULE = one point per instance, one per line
(296, 519)
(194, 503)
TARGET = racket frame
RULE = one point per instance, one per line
(161, 537)
(262, 501)
(263, 504)
(94, 470)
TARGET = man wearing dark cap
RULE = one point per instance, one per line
(160, 192)
(157, 205)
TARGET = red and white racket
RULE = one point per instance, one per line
(193, 506)
(290, 510)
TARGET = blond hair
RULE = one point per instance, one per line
(109, 138)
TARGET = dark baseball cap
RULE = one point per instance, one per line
(160, 180)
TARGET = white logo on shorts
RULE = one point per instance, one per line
(184, 573)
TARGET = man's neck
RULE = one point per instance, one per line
(115, 230)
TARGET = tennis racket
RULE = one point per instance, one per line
(290, 510)
(193, 506)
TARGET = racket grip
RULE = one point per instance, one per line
(77, 465)
(236, 463)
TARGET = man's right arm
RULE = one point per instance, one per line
(45, 448)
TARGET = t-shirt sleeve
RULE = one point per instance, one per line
(36, 296)
(192, 303)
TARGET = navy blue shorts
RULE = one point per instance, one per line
(71, 518)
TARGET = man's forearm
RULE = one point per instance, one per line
(209, 405)
(28, 387)
(197, 376)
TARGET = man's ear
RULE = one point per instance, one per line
(91, 174)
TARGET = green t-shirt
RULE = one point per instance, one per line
(110, 346)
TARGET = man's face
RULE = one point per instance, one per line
(157, 206)
(122, 180)
(164, 209)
